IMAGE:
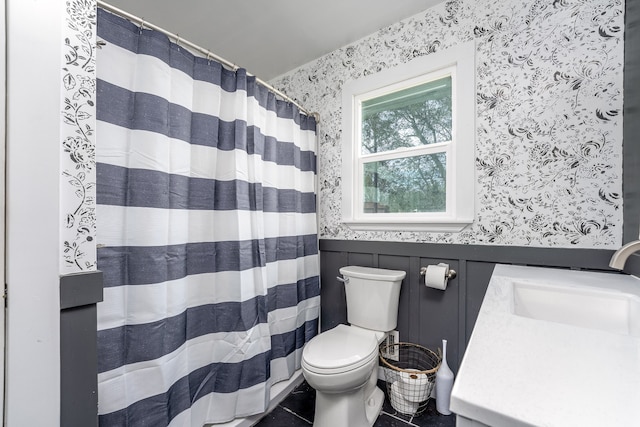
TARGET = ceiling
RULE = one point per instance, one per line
(271, 37)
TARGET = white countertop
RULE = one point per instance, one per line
(519, 371)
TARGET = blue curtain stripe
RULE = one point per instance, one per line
(142, 265)
(118, 186)
(199, 318)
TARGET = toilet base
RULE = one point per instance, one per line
(357, 408)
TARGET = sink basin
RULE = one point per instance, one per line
(546, 341)
(593, 308)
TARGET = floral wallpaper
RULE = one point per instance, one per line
(78, 138)
(548, 117)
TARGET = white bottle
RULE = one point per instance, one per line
(444, 383)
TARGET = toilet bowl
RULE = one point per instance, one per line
(341, 364)
(340, 359)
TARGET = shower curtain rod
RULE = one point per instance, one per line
(180, 41)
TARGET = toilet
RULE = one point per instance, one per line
(341, 364)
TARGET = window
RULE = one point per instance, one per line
(408, 145)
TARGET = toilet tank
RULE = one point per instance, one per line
(372, 296)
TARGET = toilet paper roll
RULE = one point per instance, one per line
(398, 401)
(436, 276)
(414, 386)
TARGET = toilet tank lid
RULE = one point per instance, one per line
(371, 273)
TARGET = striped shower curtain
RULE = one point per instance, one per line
(207, 234)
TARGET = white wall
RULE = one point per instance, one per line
(33, 223)
(3, 79)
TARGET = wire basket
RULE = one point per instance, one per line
(411, 378)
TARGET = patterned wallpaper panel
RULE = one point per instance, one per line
(77, 134)
(548, 126)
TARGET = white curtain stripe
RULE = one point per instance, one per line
(153, 151)
(179, 226)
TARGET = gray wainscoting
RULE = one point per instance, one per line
(426, 316)
(79, 294)
(631, 128)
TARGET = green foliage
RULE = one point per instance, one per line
(416, 183)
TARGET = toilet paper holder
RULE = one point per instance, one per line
(451, 274)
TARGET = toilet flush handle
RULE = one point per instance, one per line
(343, 280)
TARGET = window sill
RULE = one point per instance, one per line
(444, 226)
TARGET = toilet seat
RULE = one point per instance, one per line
(341, 349)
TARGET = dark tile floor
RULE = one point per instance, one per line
(297, 410)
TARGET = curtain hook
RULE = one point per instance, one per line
(178, 40)
(209, 57)
(141, 26)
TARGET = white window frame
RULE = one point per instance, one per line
(457, 61)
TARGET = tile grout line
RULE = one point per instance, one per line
(399, 419)
(301, 417)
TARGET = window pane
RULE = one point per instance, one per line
(411, 117)
(410, 184)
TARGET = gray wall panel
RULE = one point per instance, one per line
(438, 314)
(363, 259)
(334, 311)
(478, 274)
(78, 373)
(79, 294)
(394, 262)
(631, 128)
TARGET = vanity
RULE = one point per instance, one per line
(552, 347)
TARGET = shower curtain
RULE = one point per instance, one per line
(206, 231)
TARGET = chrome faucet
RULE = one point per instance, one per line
(619, 258)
